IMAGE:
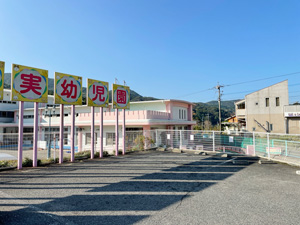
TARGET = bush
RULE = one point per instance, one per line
(140, 143)
(105, 154)
(8, 163)
(66, 159)
(27, 162)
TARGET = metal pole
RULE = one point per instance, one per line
(54, 157)
(180, 139)
(49, 144)
(101, 133)
(124, 133)
(254, 153)
(20, 139)
(117, 132)
(268, 139)
(61, 134)
(35, 134)
(92, 131)
(156, 137)
(72, 133)
(214, 144)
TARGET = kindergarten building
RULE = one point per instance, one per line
(143, 116)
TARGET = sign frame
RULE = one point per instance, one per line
(115, 88)
(16, 95)
(90, 101)
(58, 98)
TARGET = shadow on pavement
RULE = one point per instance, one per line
(150, 192)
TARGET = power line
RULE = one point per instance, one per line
(209, 89)
(244, 82)
(239, 92)
(267, 78)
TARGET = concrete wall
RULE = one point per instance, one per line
(256, 108)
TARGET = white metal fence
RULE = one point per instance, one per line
(281, 147)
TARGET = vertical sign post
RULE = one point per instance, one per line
(30, 85)
(98, 95)
(92, 132)
(123, 130)
(2, 65)
(68, 90)
(61, 133)
(101, 133)
(121, 100)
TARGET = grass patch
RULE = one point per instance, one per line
(8, 163)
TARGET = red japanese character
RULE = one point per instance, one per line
(121, 97)
(30, 83)
(98, 91)
(69, 89)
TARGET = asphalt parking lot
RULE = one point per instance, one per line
(152, 188)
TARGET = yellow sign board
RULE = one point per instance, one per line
(29, 84)
(68, 89)
(2, 64)
(121, 96)
(97, 93)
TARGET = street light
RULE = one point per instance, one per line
(49, 111)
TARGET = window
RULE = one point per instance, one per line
(253, 128)
(6, 114)
(184, 114)
(179, 113)
(267, 102)
(88, 138)
(277, 101)
(271, 127)
(28, 116)
(110, 138)
(241, 106)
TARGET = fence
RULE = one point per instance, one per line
(48, 143)
(281, 147)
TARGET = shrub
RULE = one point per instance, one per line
(8, 163)
(27, 162)
(140, 143)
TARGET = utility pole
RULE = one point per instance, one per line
(208, 124)
(219, 101)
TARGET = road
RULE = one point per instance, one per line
(151, 188)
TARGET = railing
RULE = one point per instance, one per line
(281, 147)
(130, 115)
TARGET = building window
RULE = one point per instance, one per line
(241, 106)
(253, 128)
(277, 101)
(6, 114)
(271, 127)
(179, 113)
(110, 138)
(88, 138)
(66, 139)
(184, 114)
(267, 102)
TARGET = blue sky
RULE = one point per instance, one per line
(161, 48)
